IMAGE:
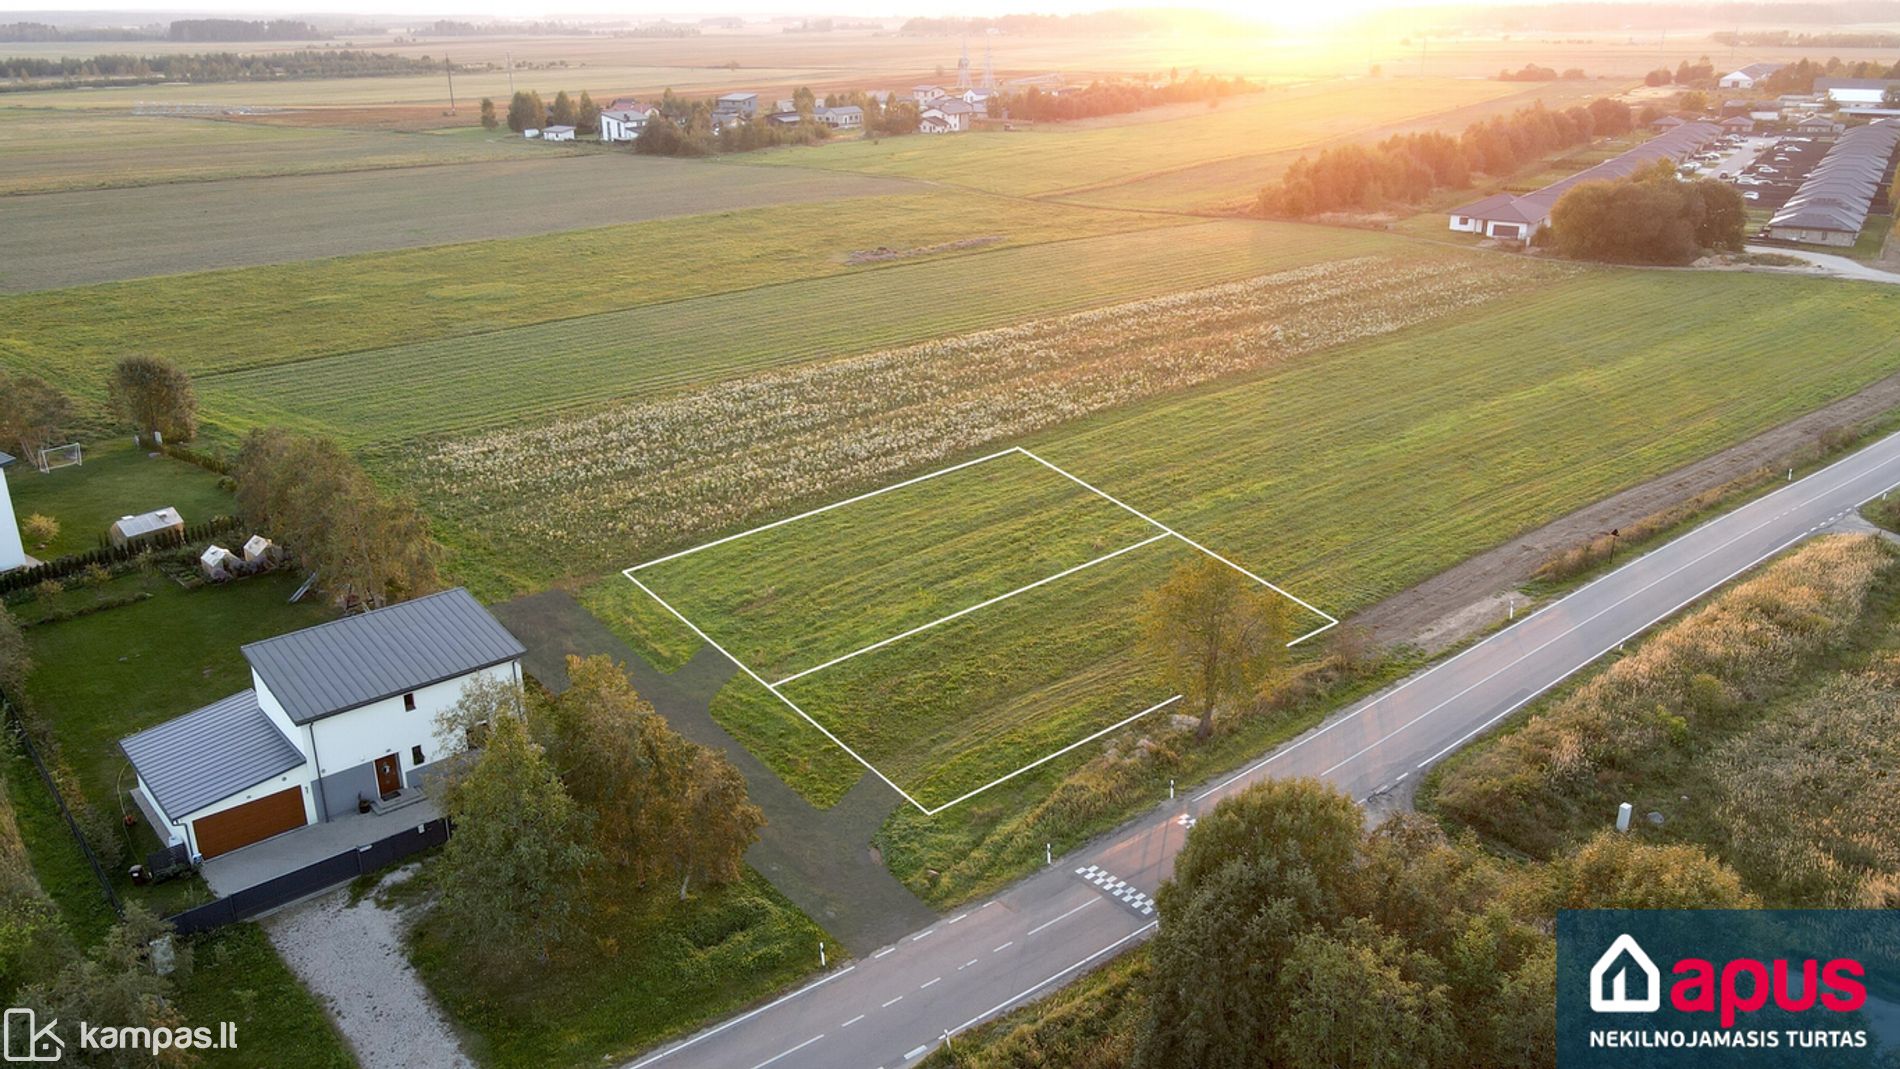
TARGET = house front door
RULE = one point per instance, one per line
(388, 776)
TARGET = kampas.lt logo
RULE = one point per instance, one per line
(1610, 979)
(26, 1040)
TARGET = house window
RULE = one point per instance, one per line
(415, 756)
(409, 703)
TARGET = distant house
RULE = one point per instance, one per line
(1750, 76)
(624, 120)
(558, 133)
(1816, 124)
(1502, 216)
(947, 116)
(12, 550)
(158, 525)
(740, 106)
(923, 94)
(1666, 123)
(339, 717)
(1738, 124)
(1860, 92)
(933, 121)
(846, 117)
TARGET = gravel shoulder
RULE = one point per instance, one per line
(352, 958)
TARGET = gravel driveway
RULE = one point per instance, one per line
(351, 958)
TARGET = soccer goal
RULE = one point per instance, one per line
(59, 456)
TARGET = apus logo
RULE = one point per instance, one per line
(1614, 967)
(22, 1039)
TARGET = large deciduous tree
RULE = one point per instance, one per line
(526, 111)
(309, 494)
(152, 394)
(511, 870)
(33, 413)
(1218, 636)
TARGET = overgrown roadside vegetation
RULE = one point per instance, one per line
(1717, 723)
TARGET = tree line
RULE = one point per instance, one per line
(242, 30)
(571, 803)
(1408, 168)
(1531, 72)
(1119, 97)
(1651, 217)
(1796, 77)
(219, 66)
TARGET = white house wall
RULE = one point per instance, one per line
(12, 552)
(296, 777)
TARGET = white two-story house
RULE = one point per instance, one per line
(339, 717)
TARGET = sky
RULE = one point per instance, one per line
(633, 9)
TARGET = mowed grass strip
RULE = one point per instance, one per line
(788, 599)
(507, 376)
(1057, 158)
(381, 309)
(45, 150)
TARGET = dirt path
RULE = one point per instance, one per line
(1468, 597)
(821, 859)
(351, 957)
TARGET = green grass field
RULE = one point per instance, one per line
(509, 376)
(1073, 161)
(116, 479)
(46, 150)
(867, 617)
(399, 302)
(1489, 422)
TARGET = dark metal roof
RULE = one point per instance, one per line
(210, 754)
(338, 666)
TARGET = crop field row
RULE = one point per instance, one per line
(641, 477)
(1491, 421)
(1047, 161)
(488, 380)
(43, 150)
(302, 223)
(288, 313)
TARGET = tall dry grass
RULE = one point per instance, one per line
(1567, 765)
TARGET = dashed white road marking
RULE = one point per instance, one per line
(914, 1053)
(1072, 912)
(966, 965)
(922, 934)
(891, 1003)
(956, 918)
(789, 1050)
(881, 953)
(1004, 947)
(928, 982)
(852, 1021)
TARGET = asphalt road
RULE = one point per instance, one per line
(891, 1008)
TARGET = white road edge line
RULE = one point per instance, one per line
(916, 1051)
(1026, 992)
(741, 1019)
(881, 953)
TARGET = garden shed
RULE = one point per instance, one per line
(156, 525)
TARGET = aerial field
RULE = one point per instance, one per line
(949, 630)
(43, 150)
(504, 377)
(71, 239)
(1496, 418)
(1058, 160)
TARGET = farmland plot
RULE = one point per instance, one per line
(652, 475)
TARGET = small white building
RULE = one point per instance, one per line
(624, 122)
(12, 550)
(558, 133)
(339, 717)
(1855, 92)
(531, 133)
(219, 563)
(846, 117)
(1748, 77)
(157, 525)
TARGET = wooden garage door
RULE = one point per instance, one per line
(221, 833)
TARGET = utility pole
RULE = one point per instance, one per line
(449, 66)
(511, 74)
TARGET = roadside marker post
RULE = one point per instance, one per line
(1048, 858)
(1623, 816)
(821, 953)
(1170, 790)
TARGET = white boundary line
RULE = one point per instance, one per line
(773, 687)
(741, 1019)
(881, 643)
